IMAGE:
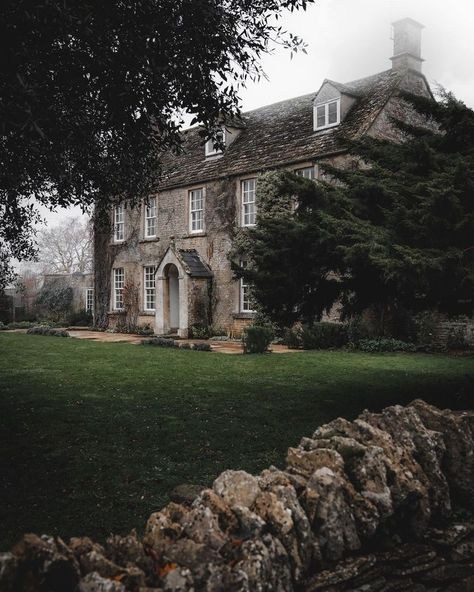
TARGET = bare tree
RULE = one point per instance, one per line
(65, 248)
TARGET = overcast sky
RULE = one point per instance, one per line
(349, 39)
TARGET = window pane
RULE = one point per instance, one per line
(196, 210)
(321, 116)
(306, 172)
(332, 112)
(150, 217)
(119, 278)
(249, 207)
(89, 299)
(119, 223)
(149, 287)
(246, 304)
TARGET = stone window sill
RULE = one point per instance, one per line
(243, 315)
(149, 239)
(146, 313)
(194, 234)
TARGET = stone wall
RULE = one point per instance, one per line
(369, 505)
(448, 332)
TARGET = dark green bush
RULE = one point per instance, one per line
(216, 331)
(146, 329)
(55, 300)
(385, 344)
(322, 335)
(357, 329)
(201, 347)
(199, 331)
(45, 330)
(160, 342)
(18, 325)
(256, 339)
(81, 318)
(292, 338)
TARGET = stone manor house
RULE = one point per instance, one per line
(175, 247)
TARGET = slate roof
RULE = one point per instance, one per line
(280, 134)
(193, 264)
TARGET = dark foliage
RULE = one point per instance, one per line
(160, 342)
(201, 347)
(49, 331)
(386, 344)
(317, 336)
(256, 339)
(292, 277)
(394, 236)
(81, 318)
(92, 94)
(55, 300)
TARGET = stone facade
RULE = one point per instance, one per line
(285, 135)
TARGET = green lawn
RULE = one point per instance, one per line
(94, 435)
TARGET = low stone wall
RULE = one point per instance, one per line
(362, 506)
(446, 330)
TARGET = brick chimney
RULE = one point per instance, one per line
(407, 45)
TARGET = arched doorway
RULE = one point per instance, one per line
(172, 296)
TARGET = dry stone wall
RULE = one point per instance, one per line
(381, 503)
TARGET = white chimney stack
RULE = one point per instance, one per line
(407, 45)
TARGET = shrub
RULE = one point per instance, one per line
(427, 323)
(80, 318)
(357, 329)
(292, 338)
(257, 339)
(55, 300)
(45, 330)
(185, 345)
(18, 325)
(323, 336)
(457, 339)
(217, 331)
(146, 329)
(201, 347)
(199, 331)
(160, 342)
(385, 344)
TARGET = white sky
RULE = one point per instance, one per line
(349, 39)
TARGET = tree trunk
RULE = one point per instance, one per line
(104, 256)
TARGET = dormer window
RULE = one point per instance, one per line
(327, 114)
(212, 149)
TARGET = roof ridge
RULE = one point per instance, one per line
(372, 76)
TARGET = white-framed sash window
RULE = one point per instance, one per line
(89, 299)
(306, 172)
(212, 149)
(196, 210)
(119, 223)
(119, 282)
(327, 115)
(249, 205)
(150, 217)
(246, 304)
(149, 297)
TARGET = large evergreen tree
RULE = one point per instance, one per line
(396, 234)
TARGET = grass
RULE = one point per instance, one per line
(94, 435)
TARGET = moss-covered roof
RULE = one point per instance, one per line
(280, 134)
